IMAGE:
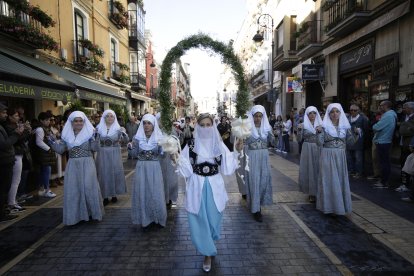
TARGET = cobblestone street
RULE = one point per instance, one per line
(293, 239)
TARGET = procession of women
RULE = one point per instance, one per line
(94, 176)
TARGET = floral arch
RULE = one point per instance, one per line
(227, 56)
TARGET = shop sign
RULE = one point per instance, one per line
(34, 92)
(294, 84)
(313, 72)
(101, 98)
(356, 57)
(385, 67)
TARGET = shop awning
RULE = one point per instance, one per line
(137, 96)
(18, 80)
(82, 83)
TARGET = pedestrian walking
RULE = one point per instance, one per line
(259, 180)
(131, 129)
(383, 134)
(109, 165)
(20, 147)
(309, 157)
(169, 175)
(202, 162)
(82, 198)
(148, 197)
(334, 194)
(286, 131)
(224, 129)
(277, 131)
(406, 132)
(43, 155)
(7, 159)
(355, 153)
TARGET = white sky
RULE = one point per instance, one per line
(170, 21)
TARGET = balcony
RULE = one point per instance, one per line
(119, 72)
(345, 16)
(309, 38)
(138, 81)
(87, 57)
(19, 21)
(118, 15)
(285, 59)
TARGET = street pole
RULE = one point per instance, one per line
(258, 38)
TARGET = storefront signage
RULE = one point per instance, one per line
(34, 92)
(356, 57)
(294, 84)
(374, 25)
(101, 98)
(385, 67)
(313, 71)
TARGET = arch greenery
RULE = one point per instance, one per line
(205, 42)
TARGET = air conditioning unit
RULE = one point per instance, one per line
(63, 54)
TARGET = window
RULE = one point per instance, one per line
(114, 59)
(132, 18)
(4, 8)
(79, 34)
(133, 67)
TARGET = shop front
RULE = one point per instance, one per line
(385, 81)
(355, 75)
(22, 86)
(139, 103)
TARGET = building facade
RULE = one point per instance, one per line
(347, 51)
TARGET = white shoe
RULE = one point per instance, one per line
(49, 194)
(402, 188)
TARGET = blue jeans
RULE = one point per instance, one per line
(44, 176)
(383, 151)
(355, 160)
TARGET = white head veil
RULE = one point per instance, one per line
(68, 135)
(155, 136)
(207, 140)
(265, 127)
(307, 123)
(102, 127)
(343, 124)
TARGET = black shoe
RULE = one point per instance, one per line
(169, 205)
(114, 199)
(258, 216)
(106, 201)
(244, 197)
(7, 218)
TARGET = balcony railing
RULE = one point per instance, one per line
(309, 37)
(27, 25)
(339, 11)
(138, 80)
(118, 15)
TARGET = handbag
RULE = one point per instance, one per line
(409, 164)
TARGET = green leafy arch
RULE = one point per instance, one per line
(227, 56)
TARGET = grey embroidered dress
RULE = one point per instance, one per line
(109, 165)
(334, 194)
(82, 196)
(309, 162)
(258, 178)
(169, 176)
(148, 198)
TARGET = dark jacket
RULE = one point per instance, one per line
(20, 147)
(362, 123)
(6, 147)
(39, 155)
(407, 131)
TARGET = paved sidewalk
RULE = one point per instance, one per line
(291, 240)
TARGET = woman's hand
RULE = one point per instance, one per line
(318, 129)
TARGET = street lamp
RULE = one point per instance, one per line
(151, 56)
(258, 38)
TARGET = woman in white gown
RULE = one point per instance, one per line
(82, 196)
(109, 159)
(202, 162)
(334, 194)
